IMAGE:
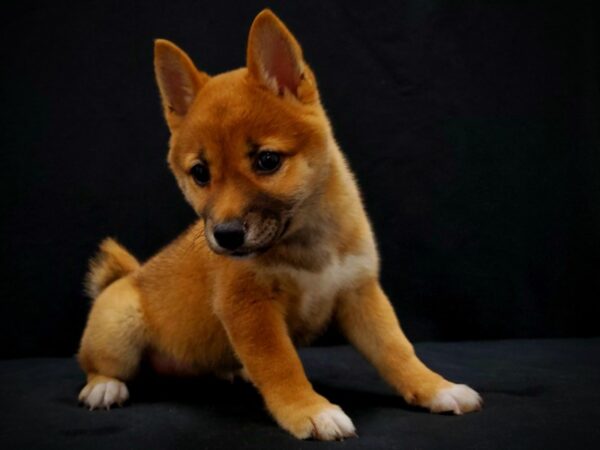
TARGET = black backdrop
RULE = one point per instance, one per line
(472, 127)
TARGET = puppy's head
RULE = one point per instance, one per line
(248, 147)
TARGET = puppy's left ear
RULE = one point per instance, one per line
(274, 59)
(178, 80)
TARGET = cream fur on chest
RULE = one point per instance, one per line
(318, 291)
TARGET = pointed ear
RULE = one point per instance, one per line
(274, 58)
(178, 80)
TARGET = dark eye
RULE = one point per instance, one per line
(267, 162)
(201, 174)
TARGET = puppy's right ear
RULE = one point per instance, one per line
(178, 80)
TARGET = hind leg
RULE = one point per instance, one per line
(112, 345)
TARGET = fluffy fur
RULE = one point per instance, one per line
(309, 253)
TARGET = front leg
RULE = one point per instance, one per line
(254, 320)
(367, 318)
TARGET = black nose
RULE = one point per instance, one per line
(229, 235)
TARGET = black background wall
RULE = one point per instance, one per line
(472, 128)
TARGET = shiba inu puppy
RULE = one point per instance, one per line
(282, 248)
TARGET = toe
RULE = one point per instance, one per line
(96, 396)
(85, 392)
(123, 394)
(111, 394)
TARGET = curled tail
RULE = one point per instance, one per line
(110, 263)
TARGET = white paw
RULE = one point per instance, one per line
(331, 424)
(458, 399)
(104, 394)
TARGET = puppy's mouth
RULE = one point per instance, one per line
(241, 254)
(250, 249)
